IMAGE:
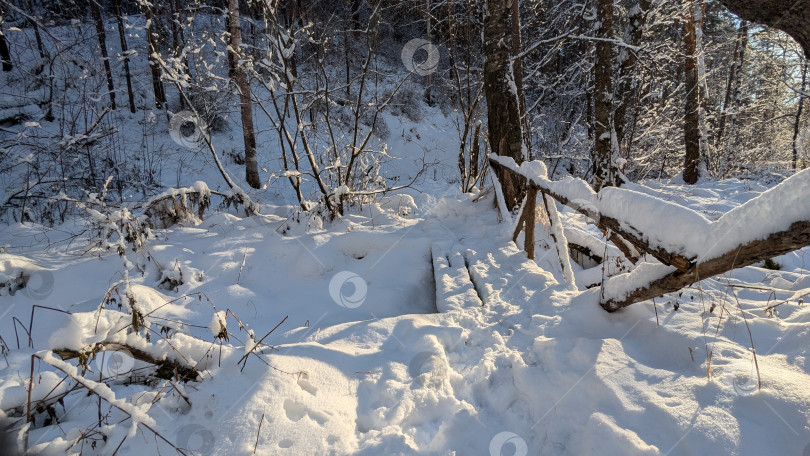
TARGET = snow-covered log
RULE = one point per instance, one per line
(642, 284)
(690, 247)
(578, 195)
(166, 367)
(772, 224)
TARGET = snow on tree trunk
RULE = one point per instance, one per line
(503, 111)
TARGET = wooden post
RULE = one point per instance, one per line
(529, 213)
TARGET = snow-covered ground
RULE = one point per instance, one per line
(364, 364)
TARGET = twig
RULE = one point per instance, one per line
(257, 434)
(31, 322)
(244, 258)
(91, 385)
(259, 342)
(751, 337)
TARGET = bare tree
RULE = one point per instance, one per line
(627, 77)
(243, 86)
(732, 97)
(98, 20)
(5, 54)
(797, 124)
(604, 170)
(517, 68)
(693, 113)
(154, 64)
(124, 54)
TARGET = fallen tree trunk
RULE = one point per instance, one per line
(795, 238)
(618, 235)
(778, 222)
(166, 368)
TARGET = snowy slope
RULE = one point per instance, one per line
(537, 365)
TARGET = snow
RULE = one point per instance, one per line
(218, 324)
(773, 211)
(620, 286)
(662, 224)
(459, 344)
(459, 340)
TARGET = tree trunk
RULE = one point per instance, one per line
(356, 14)
(626, 101)
(154, 65)
(125, 53)
(95, 11)
(243, 86)
(518, 71)
(603, 97)
(703, 86)
(734, 79)
(691, 166)
(35, 26)
(503, 111)
(5, 54)
(797, 124)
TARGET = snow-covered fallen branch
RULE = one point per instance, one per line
(638, 285)
(138, 414)
(689, 246)
(166, 367)
(578, 195)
